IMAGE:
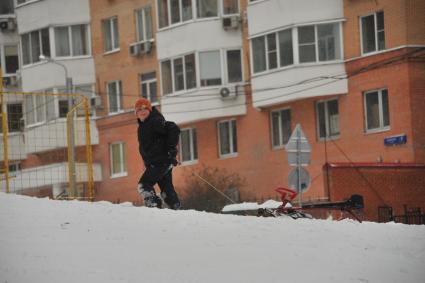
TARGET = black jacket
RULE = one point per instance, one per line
(154, 141)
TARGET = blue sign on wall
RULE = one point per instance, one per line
(395, 140)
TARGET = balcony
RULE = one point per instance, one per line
(52, 135)
(15, 147)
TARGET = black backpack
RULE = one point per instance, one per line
(173, 134)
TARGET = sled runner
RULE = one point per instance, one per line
(355, 202)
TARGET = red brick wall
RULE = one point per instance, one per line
(394, 185)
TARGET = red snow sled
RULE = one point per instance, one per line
(354, 203)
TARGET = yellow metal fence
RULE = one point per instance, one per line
(46, 145)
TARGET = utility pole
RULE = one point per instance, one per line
(71, 138)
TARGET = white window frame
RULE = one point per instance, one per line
(181, 21)
(71, 49)
(115, 42)
(232, 152)
(123, 159)
(282, 144)
(193, 159)
(31, 59)
(3, 58)
(142, 13)
(173, 80)
(375, 22)
(118, 86)
(328, 135)
(34, 111)
(148, 84)
(225, 78)
(381, 127)
(295, 48)
(6, 110)
(25, 2)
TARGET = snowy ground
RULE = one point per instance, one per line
(46, 241)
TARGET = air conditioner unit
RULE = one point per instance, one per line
(95, 101)
(11, 81)
(231, 22)
(146, 47)
(140, 48)
(7, 24)
(229, 93)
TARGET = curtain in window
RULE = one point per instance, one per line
(186, 10)
(368, 33)
(148, 23)
(185, 142)
(333, 114)
(79, 40)
(166, 77)
(372, 110)
(189, 61)
(11, 59)
(307, 44)
(210, 68)
(207, 8)
(163, 13)
(26, 49)
(62, 41)
(116, 158)
(35, 46)
(285, 120)
(178, 74)
(140, 26)
(259, 54)
(107, 44)
(329, 42)
(234, 66)
(230, 7)
(113, 96)
(116, 35)
(224, 138)
(286, 53)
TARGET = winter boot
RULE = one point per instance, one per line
(151, 199)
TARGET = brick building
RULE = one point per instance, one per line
(349, 72)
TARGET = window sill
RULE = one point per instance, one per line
(331, 138)
(12, 134)
(373, 53)
(68, 58)
(276, 148)
(227, 156)
(377, 131)
(119, 175)
(255, 2)
(113, 51)
(189, 162)
(192, 21)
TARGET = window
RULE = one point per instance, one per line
(272, 51)
(118, 159)
(144, 24)
(377, 110)
(372, 30)
(174, 12)
(206, 8)
(210, 68)
(234, 66)
(227, 138)
(281, 127)
(328, 43)
(71, 41)
(114, 96)
(188, 145)
(9, 63)
(230, 7)
(148, 86)
(110, 33)
(14, 117)
(34, 44)
(327, 119)
(178, 74)
(6, 7)
(35, 109)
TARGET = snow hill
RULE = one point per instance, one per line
(44, 241)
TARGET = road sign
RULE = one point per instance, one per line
(303, 183)
(298, 148)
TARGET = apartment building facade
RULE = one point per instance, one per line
(238, 76)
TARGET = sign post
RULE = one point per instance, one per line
(299, 155)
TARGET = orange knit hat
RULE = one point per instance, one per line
(142, 103)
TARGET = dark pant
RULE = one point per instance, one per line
(162, 175)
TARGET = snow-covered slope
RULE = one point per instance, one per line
(42, 240)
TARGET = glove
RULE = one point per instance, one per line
(172, 154)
